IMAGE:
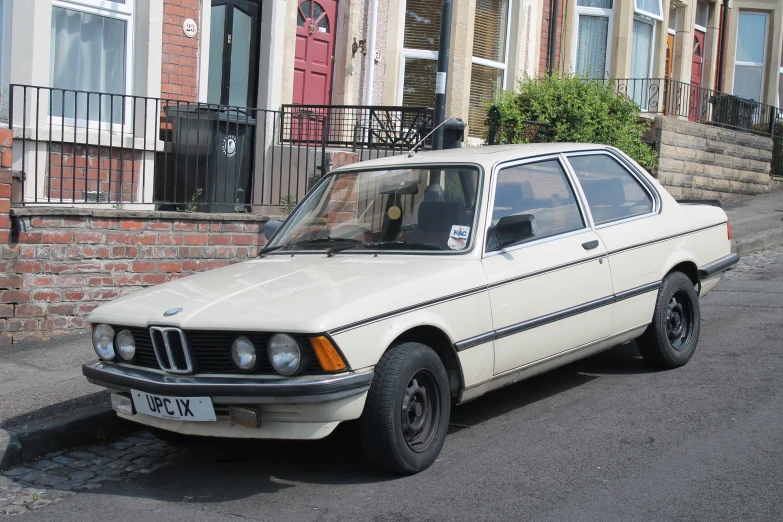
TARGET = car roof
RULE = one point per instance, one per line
(487, 156)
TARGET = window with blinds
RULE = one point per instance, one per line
(419, 86)
(489, 60)
(422, 25)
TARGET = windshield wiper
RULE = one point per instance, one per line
(316, 240)
(405, 244)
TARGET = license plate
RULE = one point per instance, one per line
(198, 409)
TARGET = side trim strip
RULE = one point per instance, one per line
(661, 240)
(721, 265)
(555, 316)
(633, 292)
(407, 309)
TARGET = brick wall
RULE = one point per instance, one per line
(69, 261)
(113, 173)
(544, 55)
(698, 161)
(180, 53)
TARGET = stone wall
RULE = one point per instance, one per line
(698, 161)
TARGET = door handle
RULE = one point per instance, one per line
(590, 244)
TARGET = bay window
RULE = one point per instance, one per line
(648, 14)
(751, 55)
(488, 69)
(592, 45)
(420, 53)
(91, 42)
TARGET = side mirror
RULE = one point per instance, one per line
(270, 227)
(515, 229)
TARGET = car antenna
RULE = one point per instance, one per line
(413, 149)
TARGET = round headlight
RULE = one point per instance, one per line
(244, 353)
(284, 354)
(126, 345)
(103, 341)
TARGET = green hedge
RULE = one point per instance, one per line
(578, 109)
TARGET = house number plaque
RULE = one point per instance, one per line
(189, 27)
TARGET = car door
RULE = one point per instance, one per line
(551, 293)
(624, 212)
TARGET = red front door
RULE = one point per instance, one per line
(316, 22)
(697, 94)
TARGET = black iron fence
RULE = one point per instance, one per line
(370, 131)
(673, 98)
(78, 147)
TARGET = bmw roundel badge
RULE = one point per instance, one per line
(171, 311)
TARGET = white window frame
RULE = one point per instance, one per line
(764, 47)
(123, 12)
(647, 13)
(654, 24)
(595, 11)
(419, 54)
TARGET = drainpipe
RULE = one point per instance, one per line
(723, 27)
(371, 52)
(553, 35)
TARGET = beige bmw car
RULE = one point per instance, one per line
(401, 287)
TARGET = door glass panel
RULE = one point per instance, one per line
(611, 191)
(317, 10)
(542, 190)
(240, 59)
(216, 38)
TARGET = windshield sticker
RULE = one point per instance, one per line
(395, 213)
(458, 238)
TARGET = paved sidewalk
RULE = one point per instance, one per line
(47, 405)
(757, 223)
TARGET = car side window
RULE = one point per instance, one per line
(612, 192)
(539, 189)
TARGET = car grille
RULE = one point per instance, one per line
(212, 350)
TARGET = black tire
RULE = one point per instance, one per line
(409, 377)
(671, 339)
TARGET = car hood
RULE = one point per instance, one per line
(304, 293)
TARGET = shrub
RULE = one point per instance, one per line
(578, 109)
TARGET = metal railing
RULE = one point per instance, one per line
(697, 104)
(79, 147)
(371, 131)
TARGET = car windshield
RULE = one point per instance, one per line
(431, 208)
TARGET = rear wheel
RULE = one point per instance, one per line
(406, 416)
(671, 338)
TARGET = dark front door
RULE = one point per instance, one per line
(233, 52)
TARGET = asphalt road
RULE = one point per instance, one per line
(602, 439)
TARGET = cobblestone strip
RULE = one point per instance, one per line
(58, 475)
(752, 262)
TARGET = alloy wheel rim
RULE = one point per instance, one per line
(420, 410)
(679, 320)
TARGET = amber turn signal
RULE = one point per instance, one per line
(327, 354)
(728, 229)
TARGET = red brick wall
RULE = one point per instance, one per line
(112, 172)
(65, 264)
(544, 56)
(180, 53)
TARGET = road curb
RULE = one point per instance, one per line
(758, 242)
(94, 424)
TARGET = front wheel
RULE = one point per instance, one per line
(406, 417)
(671, 338)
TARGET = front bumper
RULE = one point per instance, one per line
(230, 389)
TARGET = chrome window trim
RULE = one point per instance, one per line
(558, 156)
(169, 368)
(644, 183)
